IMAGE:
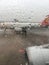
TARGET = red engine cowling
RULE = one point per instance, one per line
(45, 23)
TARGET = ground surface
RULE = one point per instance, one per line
(11, 43)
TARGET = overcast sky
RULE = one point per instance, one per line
(24, 10)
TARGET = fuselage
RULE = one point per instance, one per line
(17, 24)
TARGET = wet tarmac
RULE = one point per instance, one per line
(11, 44)
(40, 31)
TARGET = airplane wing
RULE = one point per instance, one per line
(37, 55)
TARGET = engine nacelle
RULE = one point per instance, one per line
(18, 29)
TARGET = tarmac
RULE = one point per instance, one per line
(11, 44)
(40, 31)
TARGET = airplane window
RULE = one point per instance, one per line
(23, 24)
